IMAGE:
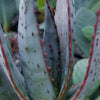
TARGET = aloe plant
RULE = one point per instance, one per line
(48, 63)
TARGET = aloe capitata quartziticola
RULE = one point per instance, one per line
(35, 82)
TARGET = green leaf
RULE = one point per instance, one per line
(84, 18)
(88, 32)
(79, 71)
(93, 5)
(7, 92)
(8, 44)
(52, 3)
(40, 4)
(52, 46)
(94, 91)
(42, 26)
(92, 76)
(72, 91)
(66, 41)
(98, 98)
(8, 9)
(81, 3)
(16, 77)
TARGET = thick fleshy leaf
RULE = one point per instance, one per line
(51, 45)
(7, 92)
(94, 96)
(93, 69)
(42, 26)
(78, 75)
(17, 4)
(93, 91)
(79, 71)
(40, 4)
(88, 32)
(98, 98)
(11, 71)
(52, 3)
(72, 91)
(64, 18)
(8, 9)
(84, 17)
(93, 5)
(72, 25)
(34, 67)
(8, 44)
(81, 3)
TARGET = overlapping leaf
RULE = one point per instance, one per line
(64, 18)
(11, 74)
(51, 45)
(83, 18)
(34, 67)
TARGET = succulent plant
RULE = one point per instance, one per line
(47, 64)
